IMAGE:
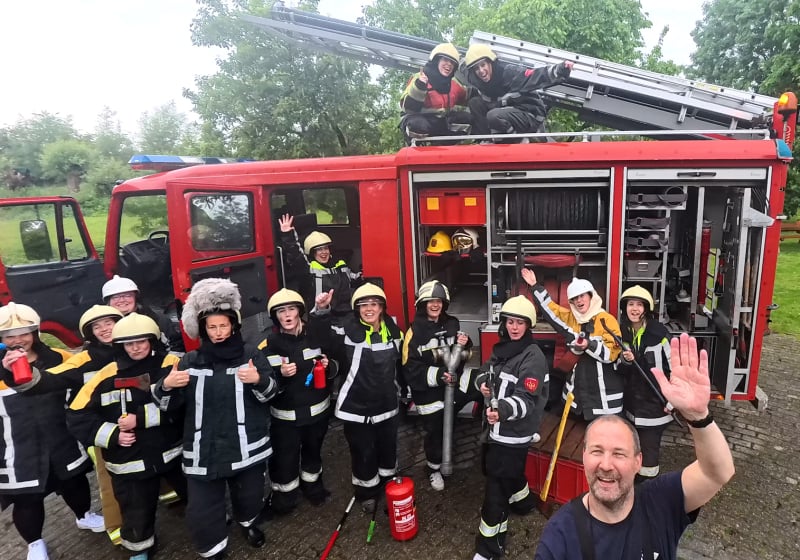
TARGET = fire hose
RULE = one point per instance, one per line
(452, 359)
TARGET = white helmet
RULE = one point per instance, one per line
(16, 319)
(118, 285)
(579, 286)
(465, 239)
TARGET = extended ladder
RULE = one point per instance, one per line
(601, 92)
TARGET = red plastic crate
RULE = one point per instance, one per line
(452, 207)
(568, 479)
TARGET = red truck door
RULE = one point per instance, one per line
(223, 233)
(49, 262)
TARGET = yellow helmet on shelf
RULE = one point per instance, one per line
(439, 243)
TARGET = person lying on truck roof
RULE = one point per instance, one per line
(434, 101)
(646, 520)
(505, 98)
(311, 268)
(593, 379)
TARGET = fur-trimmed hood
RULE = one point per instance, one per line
(208, 296)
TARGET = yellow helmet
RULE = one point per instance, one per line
(135, 327)
(367, 290)
(477, 52)
(282, 298)
(446, 50)
(520, 307)
(636, 292)
(439, 243)
(95, 313)
(433, 290)
(315, 239)
(16, 318)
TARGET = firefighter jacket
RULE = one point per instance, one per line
(650, 346)
(516, 86)
(296, 400)
(521, 386)
(70, 375)
(226, 423)
(440, 95)
(33, 434)
(422, 360)
(94, 412)
(312, 278)
(595, 382)
(369, 393)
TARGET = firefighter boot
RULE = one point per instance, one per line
(254, 536)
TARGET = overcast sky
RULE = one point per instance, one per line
(73, 57)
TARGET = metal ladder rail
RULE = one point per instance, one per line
(543, 54)
(615, 100)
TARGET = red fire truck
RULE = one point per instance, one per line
(688, 211)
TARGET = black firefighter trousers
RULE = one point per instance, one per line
(138, 500)
(506, 489)
(205, 513)
(296, 462)
(373, 455)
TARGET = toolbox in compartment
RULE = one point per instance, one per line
(642, 268)
(452, 206)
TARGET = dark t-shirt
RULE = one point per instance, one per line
(662, 501)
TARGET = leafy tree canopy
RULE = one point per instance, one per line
(272, 100)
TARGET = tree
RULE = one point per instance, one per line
(273, 100)
(27, 137)
(108, 139)
(67, 160)
(104, 174)
(749, 44)
(752, 45)
(162, 130)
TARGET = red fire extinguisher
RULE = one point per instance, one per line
(319, 375)
(402, 509)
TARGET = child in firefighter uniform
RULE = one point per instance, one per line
(368, 400)
(225, 386)
(312, 270)
(96, 326)
(515, 381)
(141, 445)
(425, 370)
(594, 381)
(647, 343)
(37, 454)
(300, 411)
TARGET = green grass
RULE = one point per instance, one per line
(786, 319)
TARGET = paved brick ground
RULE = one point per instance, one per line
(755, 517)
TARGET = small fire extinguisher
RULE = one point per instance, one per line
(402, 509)
(319, 375)
(20, 368)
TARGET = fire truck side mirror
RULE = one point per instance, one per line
(36, 240)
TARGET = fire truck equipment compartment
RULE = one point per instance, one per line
(452, 207)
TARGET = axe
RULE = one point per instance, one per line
(141, 382)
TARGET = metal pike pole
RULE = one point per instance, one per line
(656, 391)
(335, 534)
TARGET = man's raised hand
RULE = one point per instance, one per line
(689, 385)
